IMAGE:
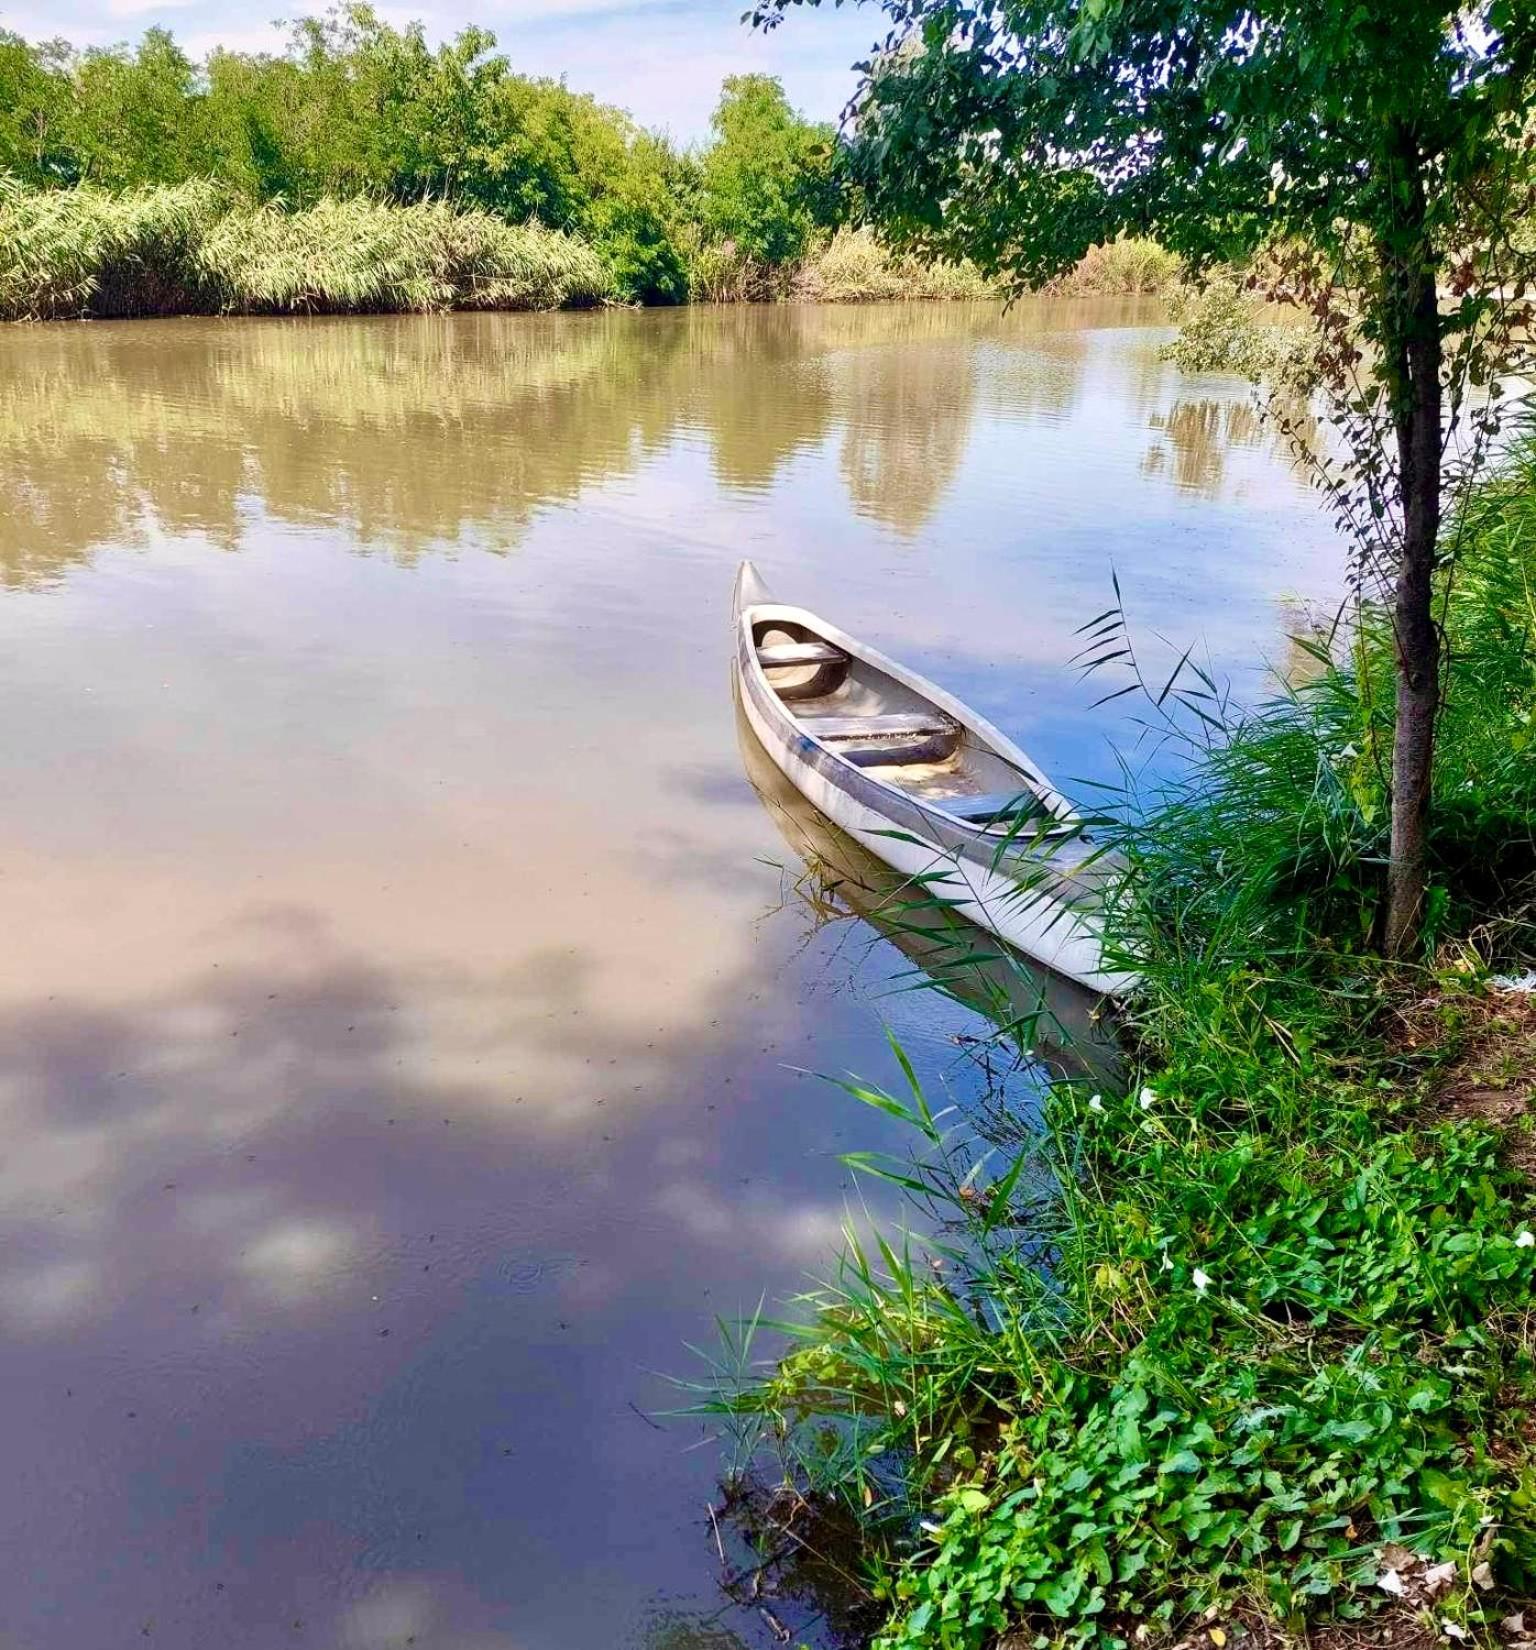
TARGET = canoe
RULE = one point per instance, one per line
(924, 783)
(1064, 1024)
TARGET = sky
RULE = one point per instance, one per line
(663, 60)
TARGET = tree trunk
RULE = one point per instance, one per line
(1417, 349)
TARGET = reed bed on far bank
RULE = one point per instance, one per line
(194, 248)
(189, 249)
(854, 266)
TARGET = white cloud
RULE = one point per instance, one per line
(138, 8)
(47, 1296)
(295, 1257)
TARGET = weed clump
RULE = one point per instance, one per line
(1131, 266)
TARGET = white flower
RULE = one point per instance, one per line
(1525, 1239)
(1167, 1264)
(1148, 1099)
(1201, 1281)
(1452, 1631)
(1096, 1102)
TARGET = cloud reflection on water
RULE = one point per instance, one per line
(395, 1047)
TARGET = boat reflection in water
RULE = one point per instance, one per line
(1045, 1018)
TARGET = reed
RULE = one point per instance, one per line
(1126, 268)
(854, 266)
(190, 249)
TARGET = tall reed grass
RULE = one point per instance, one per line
(1126, 268)
(848, 267)
(190, 249)
(854, 266)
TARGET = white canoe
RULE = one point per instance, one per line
(923, 782)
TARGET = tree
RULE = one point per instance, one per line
(253, 104)
(36, 98)
(137, 116)
(767, 176)
(1384, 138)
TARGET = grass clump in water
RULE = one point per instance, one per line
(189, 249)
(1248, 1340)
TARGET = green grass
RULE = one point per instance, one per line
(1212, 1339)
(189, 249)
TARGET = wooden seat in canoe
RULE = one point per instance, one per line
(994, 808)
(895, 740)
(780, 655)
(1014, 810)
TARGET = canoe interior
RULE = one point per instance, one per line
(937, 760)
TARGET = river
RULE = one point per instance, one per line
(407, 1001)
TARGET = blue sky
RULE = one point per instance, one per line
(661, 59)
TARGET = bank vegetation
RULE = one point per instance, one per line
(1243, 1341)
(362, 169)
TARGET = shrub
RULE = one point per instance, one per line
(1128, 267)
(855, 266)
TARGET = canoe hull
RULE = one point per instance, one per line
(1064, 938)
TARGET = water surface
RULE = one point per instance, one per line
(404, 1001)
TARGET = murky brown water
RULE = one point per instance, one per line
(400, 997)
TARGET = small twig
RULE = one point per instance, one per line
(714, 1524)
(653, 1425)
(775, 1626)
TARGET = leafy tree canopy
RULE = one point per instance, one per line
(768, 176)
(1023, 132)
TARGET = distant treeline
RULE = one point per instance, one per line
(362, 168)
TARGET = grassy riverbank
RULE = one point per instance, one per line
(191, 248)
(316, 161)
(1257, 1351)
